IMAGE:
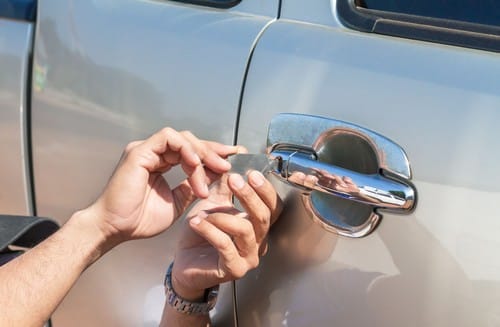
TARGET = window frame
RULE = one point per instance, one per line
(221, 4)
(437, 30)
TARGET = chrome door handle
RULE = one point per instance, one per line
(301, 168)
(348, 175)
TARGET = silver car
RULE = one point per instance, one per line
(386, 113)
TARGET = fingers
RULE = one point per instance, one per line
(206, 152)
(233, 237)
(171, 147)
(224, 150)
(168, 148)
(259, 199)
(259, 214)
(267, 193)
(212, 155)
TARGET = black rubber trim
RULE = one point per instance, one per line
(223, 4)
(445, 31)
(29, 127)
(9, 256)
(24, 10)
(24, 231)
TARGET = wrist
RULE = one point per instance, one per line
(192, 302)
(88, 232)
(185, 291)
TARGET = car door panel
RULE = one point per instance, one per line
(434, 267)
(15, 49)
(114, 71)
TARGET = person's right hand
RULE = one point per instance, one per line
(220, 243)
(138, 202)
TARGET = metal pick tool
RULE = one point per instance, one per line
(242, 163)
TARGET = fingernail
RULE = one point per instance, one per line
(225, 164)
(196, 159)
(195, 221)
(256, 178)
(240, 149)
(236, 181)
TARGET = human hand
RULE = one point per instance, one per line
(138, 202)
(220, 243)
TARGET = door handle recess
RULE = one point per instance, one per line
(347, 174)
(301, 168)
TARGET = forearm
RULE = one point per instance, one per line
(35, 283)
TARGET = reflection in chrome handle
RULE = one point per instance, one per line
(303, 170)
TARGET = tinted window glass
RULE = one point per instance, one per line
(18, 9)
(473, 11)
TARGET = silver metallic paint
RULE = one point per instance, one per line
(15, 49)
(117, 71)
(436, 267)
(114, 71)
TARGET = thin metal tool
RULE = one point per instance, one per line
(243, 163)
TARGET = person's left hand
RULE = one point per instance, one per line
(220, 243)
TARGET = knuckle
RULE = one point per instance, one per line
(265, 218)
(262, 220)
(225, 244)
(134, 153)
(167, 131)
(130, 146)
(239, 271)
(246, 226)
(247, 231)
(221, 272)
(253, 261)
(187, 133)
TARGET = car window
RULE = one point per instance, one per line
(472, 11)
(465, 23)
(18, 9)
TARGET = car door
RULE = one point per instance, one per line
(107, 73)
(429, 90)
(16, 38)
